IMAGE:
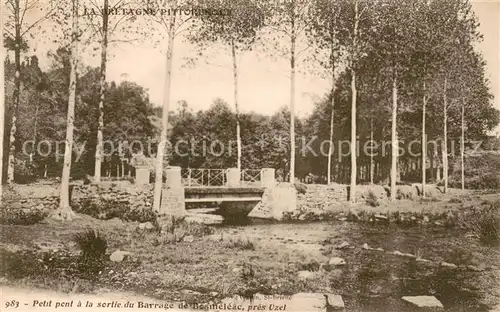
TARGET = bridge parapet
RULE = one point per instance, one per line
(266, 199)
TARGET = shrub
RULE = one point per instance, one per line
(242, 244)
(109, 209)
(301, 188)
(312, 266)
(455, 200)
(24, 172)
(21, 217)
(93, 251)
(486, 223)
(372, 199)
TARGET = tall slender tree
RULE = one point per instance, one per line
(65, 212)
(19, 25)
(287, 25)
(2, 107)
(172, 24)
(237, 31)
(108, 28)
(323, 32)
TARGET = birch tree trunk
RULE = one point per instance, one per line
(394, 137)
(102, 94)
(424, 144)
(166, 107)
(352, 193)
(462, 146)
(64, 212)
(2, 108)
(16, 93)
(330, 147)
(292, 96)
(236, 106)
(372, 160)
(444, 149)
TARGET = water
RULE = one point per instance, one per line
(376, 281)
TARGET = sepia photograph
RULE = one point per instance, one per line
(250, 155)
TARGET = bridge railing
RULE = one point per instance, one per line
(251, 177)
(203, 177)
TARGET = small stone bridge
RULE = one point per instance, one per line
(235, 191)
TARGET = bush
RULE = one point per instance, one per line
(372, 199)
(481, 172)
(21, 217)
(106, 210)
(93, 252)
(301, 188)
(242, 244)
(486, 223)
(24, 172)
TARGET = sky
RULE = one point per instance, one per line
(264, 83)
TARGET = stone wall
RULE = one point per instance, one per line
(328, 197)
(131, 195)
(33, 196)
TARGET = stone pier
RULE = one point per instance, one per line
(276, 200)
(233, 177)
(141, 175)
(172, 201)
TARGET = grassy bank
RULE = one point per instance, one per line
(190, 262)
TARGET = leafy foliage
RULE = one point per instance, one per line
(93, 251)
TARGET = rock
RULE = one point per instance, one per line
(424, 301)
(366, 247)
(381, 217)
(311, 302)
(448, 265)
(423, 260)
(342, 219)
(426, 219)
(302, 217)
(189, 292)
(213, 293)
(438, 223)
(343, 245)
(119, 255)
(236, 270)
(146, 226)
(188, 239)
(305, 275)
(475, 268)
(336, 261)
(335, 301)
(397, 253)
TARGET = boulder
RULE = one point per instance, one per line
(424, 301)
(343, 245)
(188, 239)
(146, 226)
(448, 265)
(303, 275)
(335, 301)
(336, 261)
(119, 255)
(311, 302)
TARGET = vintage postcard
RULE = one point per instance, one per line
(250, 155)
